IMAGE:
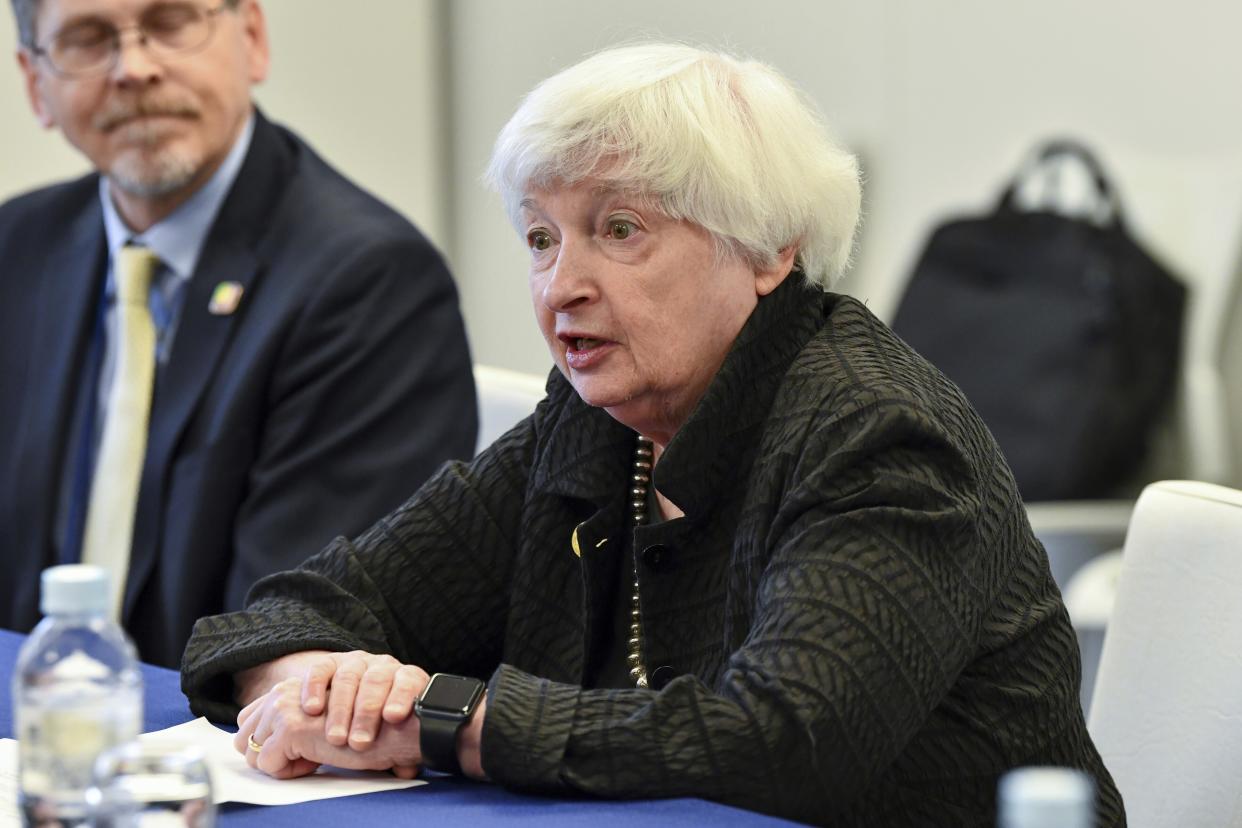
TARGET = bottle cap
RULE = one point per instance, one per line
(1045, 796)
(74, 588)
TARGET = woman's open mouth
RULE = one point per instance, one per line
(583, 352)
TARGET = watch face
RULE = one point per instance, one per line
(455, 694)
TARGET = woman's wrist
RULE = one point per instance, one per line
(470, 743)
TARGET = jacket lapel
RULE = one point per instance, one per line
(231, 254)
(64, 313)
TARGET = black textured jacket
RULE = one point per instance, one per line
(853, 624)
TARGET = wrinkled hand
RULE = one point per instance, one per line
(294, 742)
(360, 688)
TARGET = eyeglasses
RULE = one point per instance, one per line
(92, 46)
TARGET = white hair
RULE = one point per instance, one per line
(725, 143)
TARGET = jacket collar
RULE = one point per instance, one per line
(587, 453)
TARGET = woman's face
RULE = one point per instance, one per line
(635, 307)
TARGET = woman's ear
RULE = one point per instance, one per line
(769, 277)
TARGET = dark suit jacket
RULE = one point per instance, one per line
(339, 385)
(853, 624)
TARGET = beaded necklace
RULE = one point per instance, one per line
(643, 460)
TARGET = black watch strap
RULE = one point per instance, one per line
(446, 704)
(437, 740)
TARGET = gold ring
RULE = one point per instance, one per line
(252, 744)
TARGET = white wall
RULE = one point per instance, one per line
(363, 88)
(942, 99)
(363, 83)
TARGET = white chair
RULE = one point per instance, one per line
(505, 399)
(1167, 709)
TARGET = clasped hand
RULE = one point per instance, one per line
(351, 710)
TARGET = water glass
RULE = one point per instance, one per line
(152, 786)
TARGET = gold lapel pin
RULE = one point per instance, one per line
(225, 298)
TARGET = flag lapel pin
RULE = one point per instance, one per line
(225, 298)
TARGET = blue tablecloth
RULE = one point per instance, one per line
(445, 801)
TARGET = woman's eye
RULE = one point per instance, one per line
(621, 229)
(538, 240)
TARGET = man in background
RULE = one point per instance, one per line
(216, 353)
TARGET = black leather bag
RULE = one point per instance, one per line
(1063, 333)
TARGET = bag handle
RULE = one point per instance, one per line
(1108, 205)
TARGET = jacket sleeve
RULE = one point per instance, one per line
(371, 392)
(428, 584)
(866, 612)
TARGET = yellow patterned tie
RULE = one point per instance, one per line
(118, 468)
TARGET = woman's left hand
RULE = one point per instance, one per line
(294, 743)
(355, 690)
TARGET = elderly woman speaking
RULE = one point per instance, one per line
(750, 547)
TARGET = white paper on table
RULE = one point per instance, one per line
(10, 815)
(232, 780)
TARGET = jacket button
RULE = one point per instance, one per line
(655, 557)
(661, 676)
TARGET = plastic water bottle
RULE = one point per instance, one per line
(77, 691)
(1042, 797)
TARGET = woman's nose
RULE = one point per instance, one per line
(569, 281)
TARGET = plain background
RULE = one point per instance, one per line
(942, 99)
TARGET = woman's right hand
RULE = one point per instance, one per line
(278, 737)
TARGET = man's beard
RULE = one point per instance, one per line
(149, 169)
(154, 173)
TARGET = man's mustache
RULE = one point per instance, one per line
(119, 111)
